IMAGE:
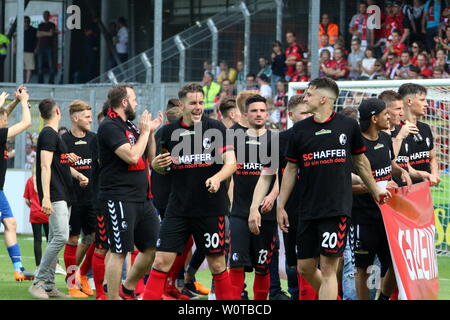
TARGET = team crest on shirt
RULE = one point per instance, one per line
(206, 143)
(427, 140)
(343, 139)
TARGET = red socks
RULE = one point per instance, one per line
(179, 262)
(98, 270)
(237, 278)
(133, 256)
(70, 261)
(87, 263)
(307, 292)
(155, 285)
(261, 286)
(222, 286)
(394, 295)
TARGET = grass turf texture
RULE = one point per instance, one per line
(12, 290)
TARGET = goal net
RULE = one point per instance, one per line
(351, 95)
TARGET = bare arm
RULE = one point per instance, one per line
(260, 192)
(227, 170)
(46, 175)
(287, 185)
(25, 122)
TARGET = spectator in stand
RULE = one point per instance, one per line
(339, 66)
(431, 20)
(226, 73)
(439, 73)
(325, 62)
(325, 44)
(444, 42)
(392, 65)
(440, 60)
(405, 63)
(207, 66)
(355, 59)
(368, 64)
(414, 72)
(278, 63)
(378, 39)
(416, 25)
(29, 48)
(250, 82)
(265, 67)
(340, 45)
(416, 48)
(379, 72)
(227, 90)
(92, 49)
(264, 87)
(301, 73)
(422, 63)
(358, 26)
(395, 21)
(30, 156)
(210, 91)
(293, 54)
(394, 45)
(240, 78)
(280, 103)
(46, 47)
(122, 40)
(328, 28)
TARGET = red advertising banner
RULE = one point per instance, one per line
(409, 221)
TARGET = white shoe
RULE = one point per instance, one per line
(212, 296)
(60, 270)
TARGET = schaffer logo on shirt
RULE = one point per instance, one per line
(64, 158)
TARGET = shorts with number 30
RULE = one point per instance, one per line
(250, 250)
(208, 233)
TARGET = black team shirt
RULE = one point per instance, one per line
(292, 204)
(193, 165)
(160, 183)
(323, 153)
(3, 155)
(120, 181)
(380, 154)
(61, 178)
(82, 147)
(418, 154)
(257, 156)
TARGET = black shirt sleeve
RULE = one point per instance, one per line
(293, 149)
(113, 136)
(49, 141)
(3, 135)
(357, 142)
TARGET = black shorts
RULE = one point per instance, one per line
(208, 233)
(131, 224)
(82, 217)
(371, 240)
(101, 236)
(248, 249)
(325, 237)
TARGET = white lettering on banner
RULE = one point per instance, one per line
(420, 155)
(194, 158)
(417, 247)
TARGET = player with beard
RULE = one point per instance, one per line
(370, 234)
(322, 148)
(79, 140)
(124, 154)
(197, 202)
(247, 249)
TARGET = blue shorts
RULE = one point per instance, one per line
(5, 209)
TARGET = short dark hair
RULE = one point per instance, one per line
(411, 88)
(227, 104)
(350, 112)
(325, 83)
(276, 43)
(189, 88)
(251, 75)
(295, 100)
(397, 31)
(46, 107)
(117, 94)
(172, 103)
(122, 20)
(389, 96)
(356, 40)
(254, 99)
(414, 68)
(291, 32)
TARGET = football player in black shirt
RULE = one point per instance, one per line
(79, 140)
(370, 234)
(297, 111)
(124, 153)
(198, 201)
(54, 183)
(6, 215)
(323, 148)
(421, 152)
(247, 249)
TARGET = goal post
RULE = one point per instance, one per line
(437, 116)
